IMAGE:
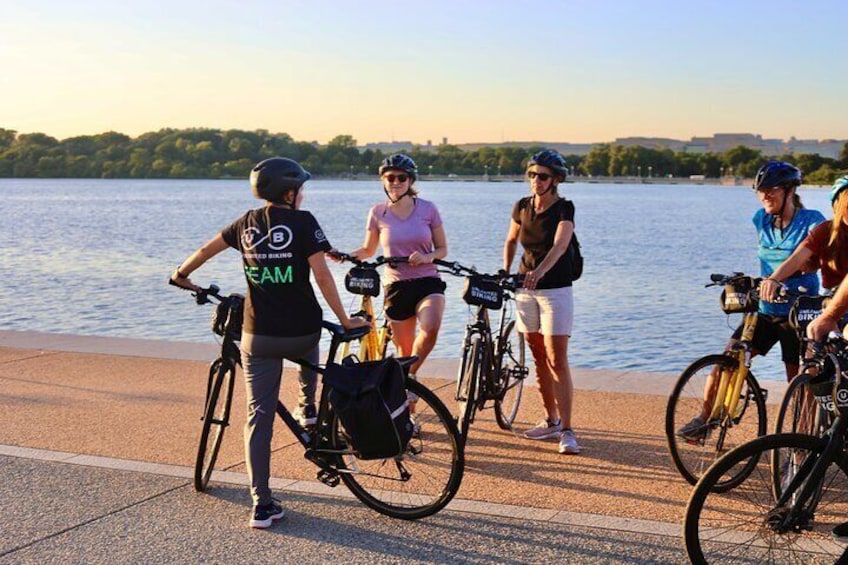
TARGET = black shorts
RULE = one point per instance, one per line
(770, 330)
(402, 297)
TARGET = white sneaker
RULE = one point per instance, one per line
(306, 415)
(544, 430)
(568, 443)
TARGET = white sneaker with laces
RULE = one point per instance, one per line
(544, 429)
(568, 443)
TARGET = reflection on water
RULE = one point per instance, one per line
(93, 256)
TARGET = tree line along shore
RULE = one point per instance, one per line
(213, 153)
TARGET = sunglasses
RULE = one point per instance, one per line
(768, 190)
(392, 178)
(542, 176)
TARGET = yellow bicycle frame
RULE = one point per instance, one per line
(727, 399)
(373, 344)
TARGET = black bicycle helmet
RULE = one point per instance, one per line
(399, 162)
(552, 160)
(272, 178)
(777, 173)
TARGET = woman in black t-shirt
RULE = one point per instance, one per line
(544, 224)
(280, 245)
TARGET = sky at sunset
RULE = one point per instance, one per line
(470, 71)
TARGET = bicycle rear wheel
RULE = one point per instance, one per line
(512, 372)
(466, 384)
(693, 457)
(216, 418)
(420, 482)
(741, 525)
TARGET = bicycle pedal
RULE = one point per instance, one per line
(329, 478)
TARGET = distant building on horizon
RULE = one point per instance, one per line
(717, 143)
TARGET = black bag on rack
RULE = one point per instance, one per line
(370, 401)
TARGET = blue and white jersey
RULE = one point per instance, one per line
(776, 245)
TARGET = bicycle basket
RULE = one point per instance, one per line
(483, 291)
(360, 280)
(740, 296)
(229, 316)
(804, 310)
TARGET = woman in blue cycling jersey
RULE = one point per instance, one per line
(782, 224)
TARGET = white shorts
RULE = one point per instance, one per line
(548, 311)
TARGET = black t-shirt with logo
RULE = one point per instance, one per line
(280, 301)
(537, 238)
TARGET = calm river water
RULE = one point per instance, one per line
(92, 257)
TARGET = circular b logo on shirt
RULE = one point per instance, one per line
(279, 237)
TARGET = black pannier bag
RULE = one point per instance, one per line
(483, 291)
(232, 309)
(360, 280)
(804, 310)
(738, 296)
(369, 399)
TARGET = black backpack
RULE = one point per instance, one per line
(574, 257)
(369, 399)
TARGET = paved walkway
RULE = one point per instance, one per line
(97, 439)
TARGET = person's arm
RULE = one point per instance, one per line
(440, 248)
(836, 308)
(510, 245)
(771, 285)
(562, 238)
(208, 250)
(327, 285)
(369, 247)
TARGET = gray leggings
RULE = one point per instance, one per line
(262, 361)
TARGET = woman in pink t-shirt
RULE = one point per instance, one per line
(408, 226)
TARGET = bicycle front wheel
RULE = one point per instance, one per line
(799, 411)
(216, 418)
(466, 384)
(692, 455)
(512, 372)
(745, 525)
(420, 482)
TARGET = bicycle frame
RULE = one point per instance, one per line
(728, 399)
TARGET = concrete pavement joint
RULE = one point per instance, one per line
(597, 521)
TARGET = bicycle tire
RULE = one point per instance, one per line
(216, 418)
(466, 385)
(685, 401)
(511, 378)
(799, 413)
(734, 525)
(434, 460)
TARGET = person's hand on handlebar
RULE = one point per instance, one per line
(770, 289)
(416, 258)
(820, 328)
(181, 280)
(354, 322)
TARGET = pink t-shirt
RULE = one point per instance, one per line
(400, 237)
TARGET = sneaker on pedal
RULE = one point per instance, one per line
(265, 514)
(306, 415)
(544, 430)
(695, 430)
(568, 443)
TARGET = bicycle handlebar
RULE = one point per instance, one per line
(506, 280)
(201, 296)
(379, 261)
